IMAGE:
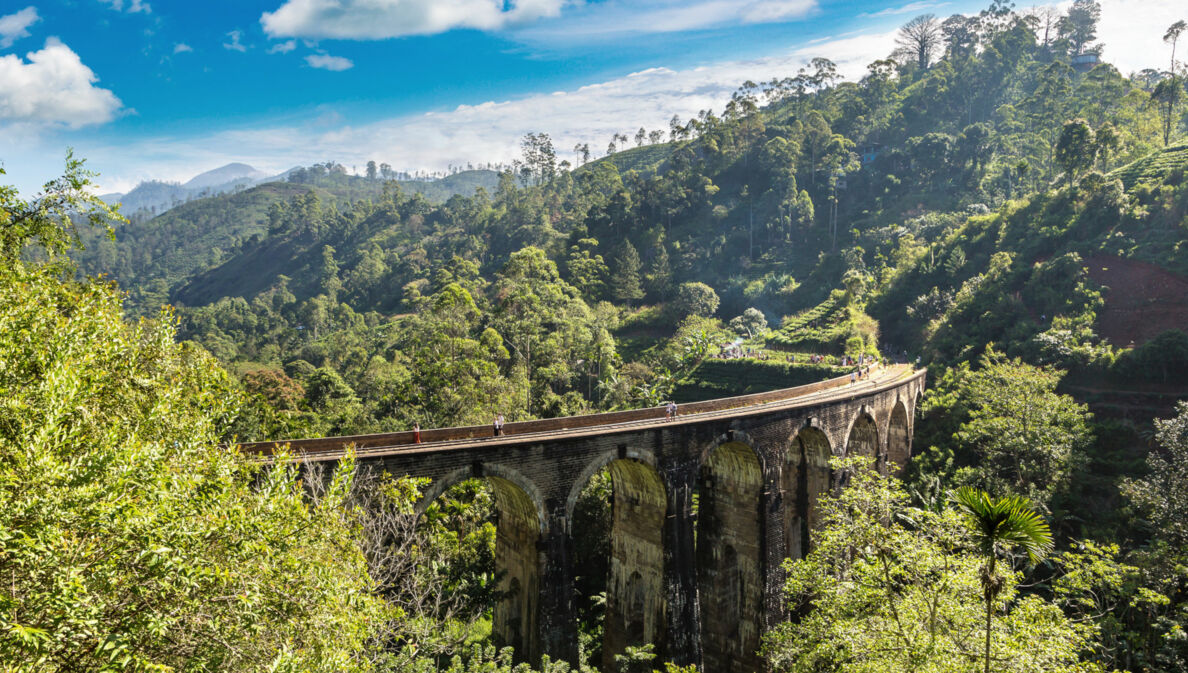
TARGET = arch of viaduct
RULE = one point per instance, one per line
(701, 580)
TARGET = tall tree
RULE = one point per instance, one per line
(1172, 36)
(1169, 97)
(1000, 525)
(1076, 150)
(625, 285)
(1162, 496)
(921, 36)
(1079, 26)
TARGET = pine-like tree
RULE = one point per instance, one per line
(659, 275)
(625, 285)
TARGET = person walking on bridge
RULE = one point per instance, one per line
(416, 433)
(498, 425)
(670, 411)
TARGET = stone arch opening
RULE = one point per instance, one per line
(863, 439)
(623, 501)
(516, 514)
(899, 439)
(729, 552)
(807, 477)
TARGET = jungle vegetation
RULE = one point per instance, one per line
(962, 204)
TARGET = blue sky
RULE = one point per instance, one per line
(167, 89)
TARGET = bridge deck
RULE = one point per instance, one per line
(526, 432)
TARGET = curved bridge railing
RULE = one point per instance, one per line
(841, 385)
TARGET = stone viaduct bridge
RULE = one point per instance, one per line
(701, 577)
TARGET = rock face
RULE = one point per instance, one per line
(705, 508)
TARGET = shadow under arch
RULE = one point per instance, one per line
(519, 525)
(807, 476)
(636, 611)
(899, 439)
(729, 552)
(863, 437)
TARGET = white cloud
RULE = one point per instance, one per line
(328, 62)
(15, 26)
(53, 87)
(181, 48)
(235, 44)
(485, 131)
(133, 7)
(614, 18)
(490, 131)
(283, 47)
(381, 19)
(919, 7)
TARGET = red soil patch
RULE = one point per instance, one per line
(1141, 300)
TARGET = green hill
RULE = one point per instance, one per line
(149, 256)
(1057, 277)
(153, 257)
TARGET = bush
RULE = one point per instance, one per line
(695, 299)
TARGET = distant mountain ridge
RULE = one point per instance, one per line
(157, 196)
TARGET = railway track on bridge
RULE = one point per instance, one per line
(376, 446)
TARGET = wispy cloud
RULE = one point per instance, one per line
(594, 22)
(910, 8)
(235, 44)
(134, 7)
(484, 131)
(15, 26)
(490, 130)
(181, 48)
(382, 19)
(283, 47)
(328, 62)
(53, 88)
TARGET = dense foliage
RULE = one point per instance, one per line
(990, 198)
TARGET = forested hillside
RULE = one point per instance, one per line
(849, 214)
(989, 200)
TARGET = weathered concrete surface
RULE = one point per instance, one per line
(636, 609)
(701, 585)
(730, 558)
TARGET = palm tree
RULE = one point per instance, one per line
(1000, 525)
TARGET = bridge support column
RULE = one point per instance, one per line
(778, 545)
(637, 595)
(731, 549)
(680, 553)
(558, 628)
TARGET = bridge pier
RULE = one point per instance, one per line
(681, 590)
(730, 558)
(637, 603)
(558, 623)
